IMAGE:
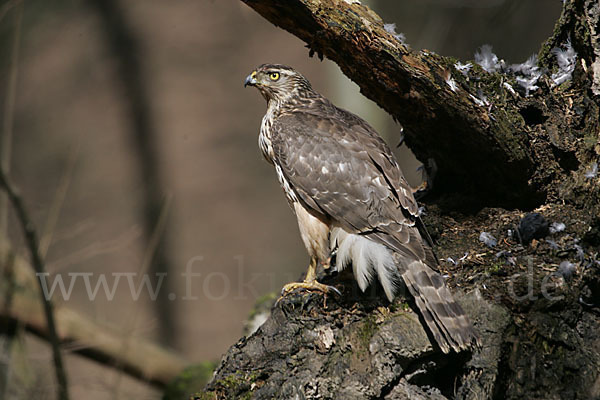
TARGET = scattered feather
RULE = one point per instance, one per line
(585, 303)
(421, 211)
(477, 101)
(483, 97)
(565, 58)
(510, 259)
(391, 29)
(460, 260)
(487, 59)
(560, 78)
(591, 174)
(452, 83)
(510, 233)
(566, 269)
(527, 68)
(557, 227)
(508, 87)
(527, 74)
(552, 244)
(463, 68)
(488, 239)
(529, 82)
(580, 252)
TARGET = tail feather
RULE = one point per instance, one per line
(371, 257)
(444, 317)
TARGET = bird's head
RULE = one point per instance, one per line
(278, 82)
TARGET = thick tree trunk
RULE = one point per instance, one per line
(535, 303)
(538, 322)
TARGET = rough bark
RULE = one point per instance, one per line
(535, 303)
(359, 350)
(538, 327)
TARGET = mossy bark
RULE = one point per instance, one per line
(538, 327)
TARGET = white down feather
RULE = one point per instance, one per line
(367, 257)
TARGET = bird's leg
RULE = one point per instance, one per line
(310, 282)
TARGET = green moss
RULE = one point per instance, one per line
(399, 308)
(365, 332)
(191, 380)
(513, 141)
(235, 386)
(495, 268)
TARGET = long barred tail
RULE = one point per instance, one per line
(445, 318)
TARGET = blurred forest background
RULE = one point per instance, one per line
(99, 172)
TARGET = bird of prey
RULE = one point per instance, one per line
(351, 199)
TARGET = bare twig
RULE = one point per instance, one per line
(38, 265)
(122, 41)
(9, 107)
(141, 359)
(59, 199)
(5, 156)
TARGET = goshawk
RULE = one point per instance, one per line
(351, 198)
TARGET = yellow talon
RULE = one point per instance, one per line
(310, 282)
(308, 285)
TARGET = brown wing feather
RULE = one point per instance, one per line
(339, 167)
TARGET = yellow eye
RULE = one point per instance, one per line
(274, 76)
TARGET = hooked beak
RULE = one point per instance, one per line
(250, 79)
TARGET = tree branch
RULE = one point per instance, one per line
(38, 265)
(486, 151)
(142, 359)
